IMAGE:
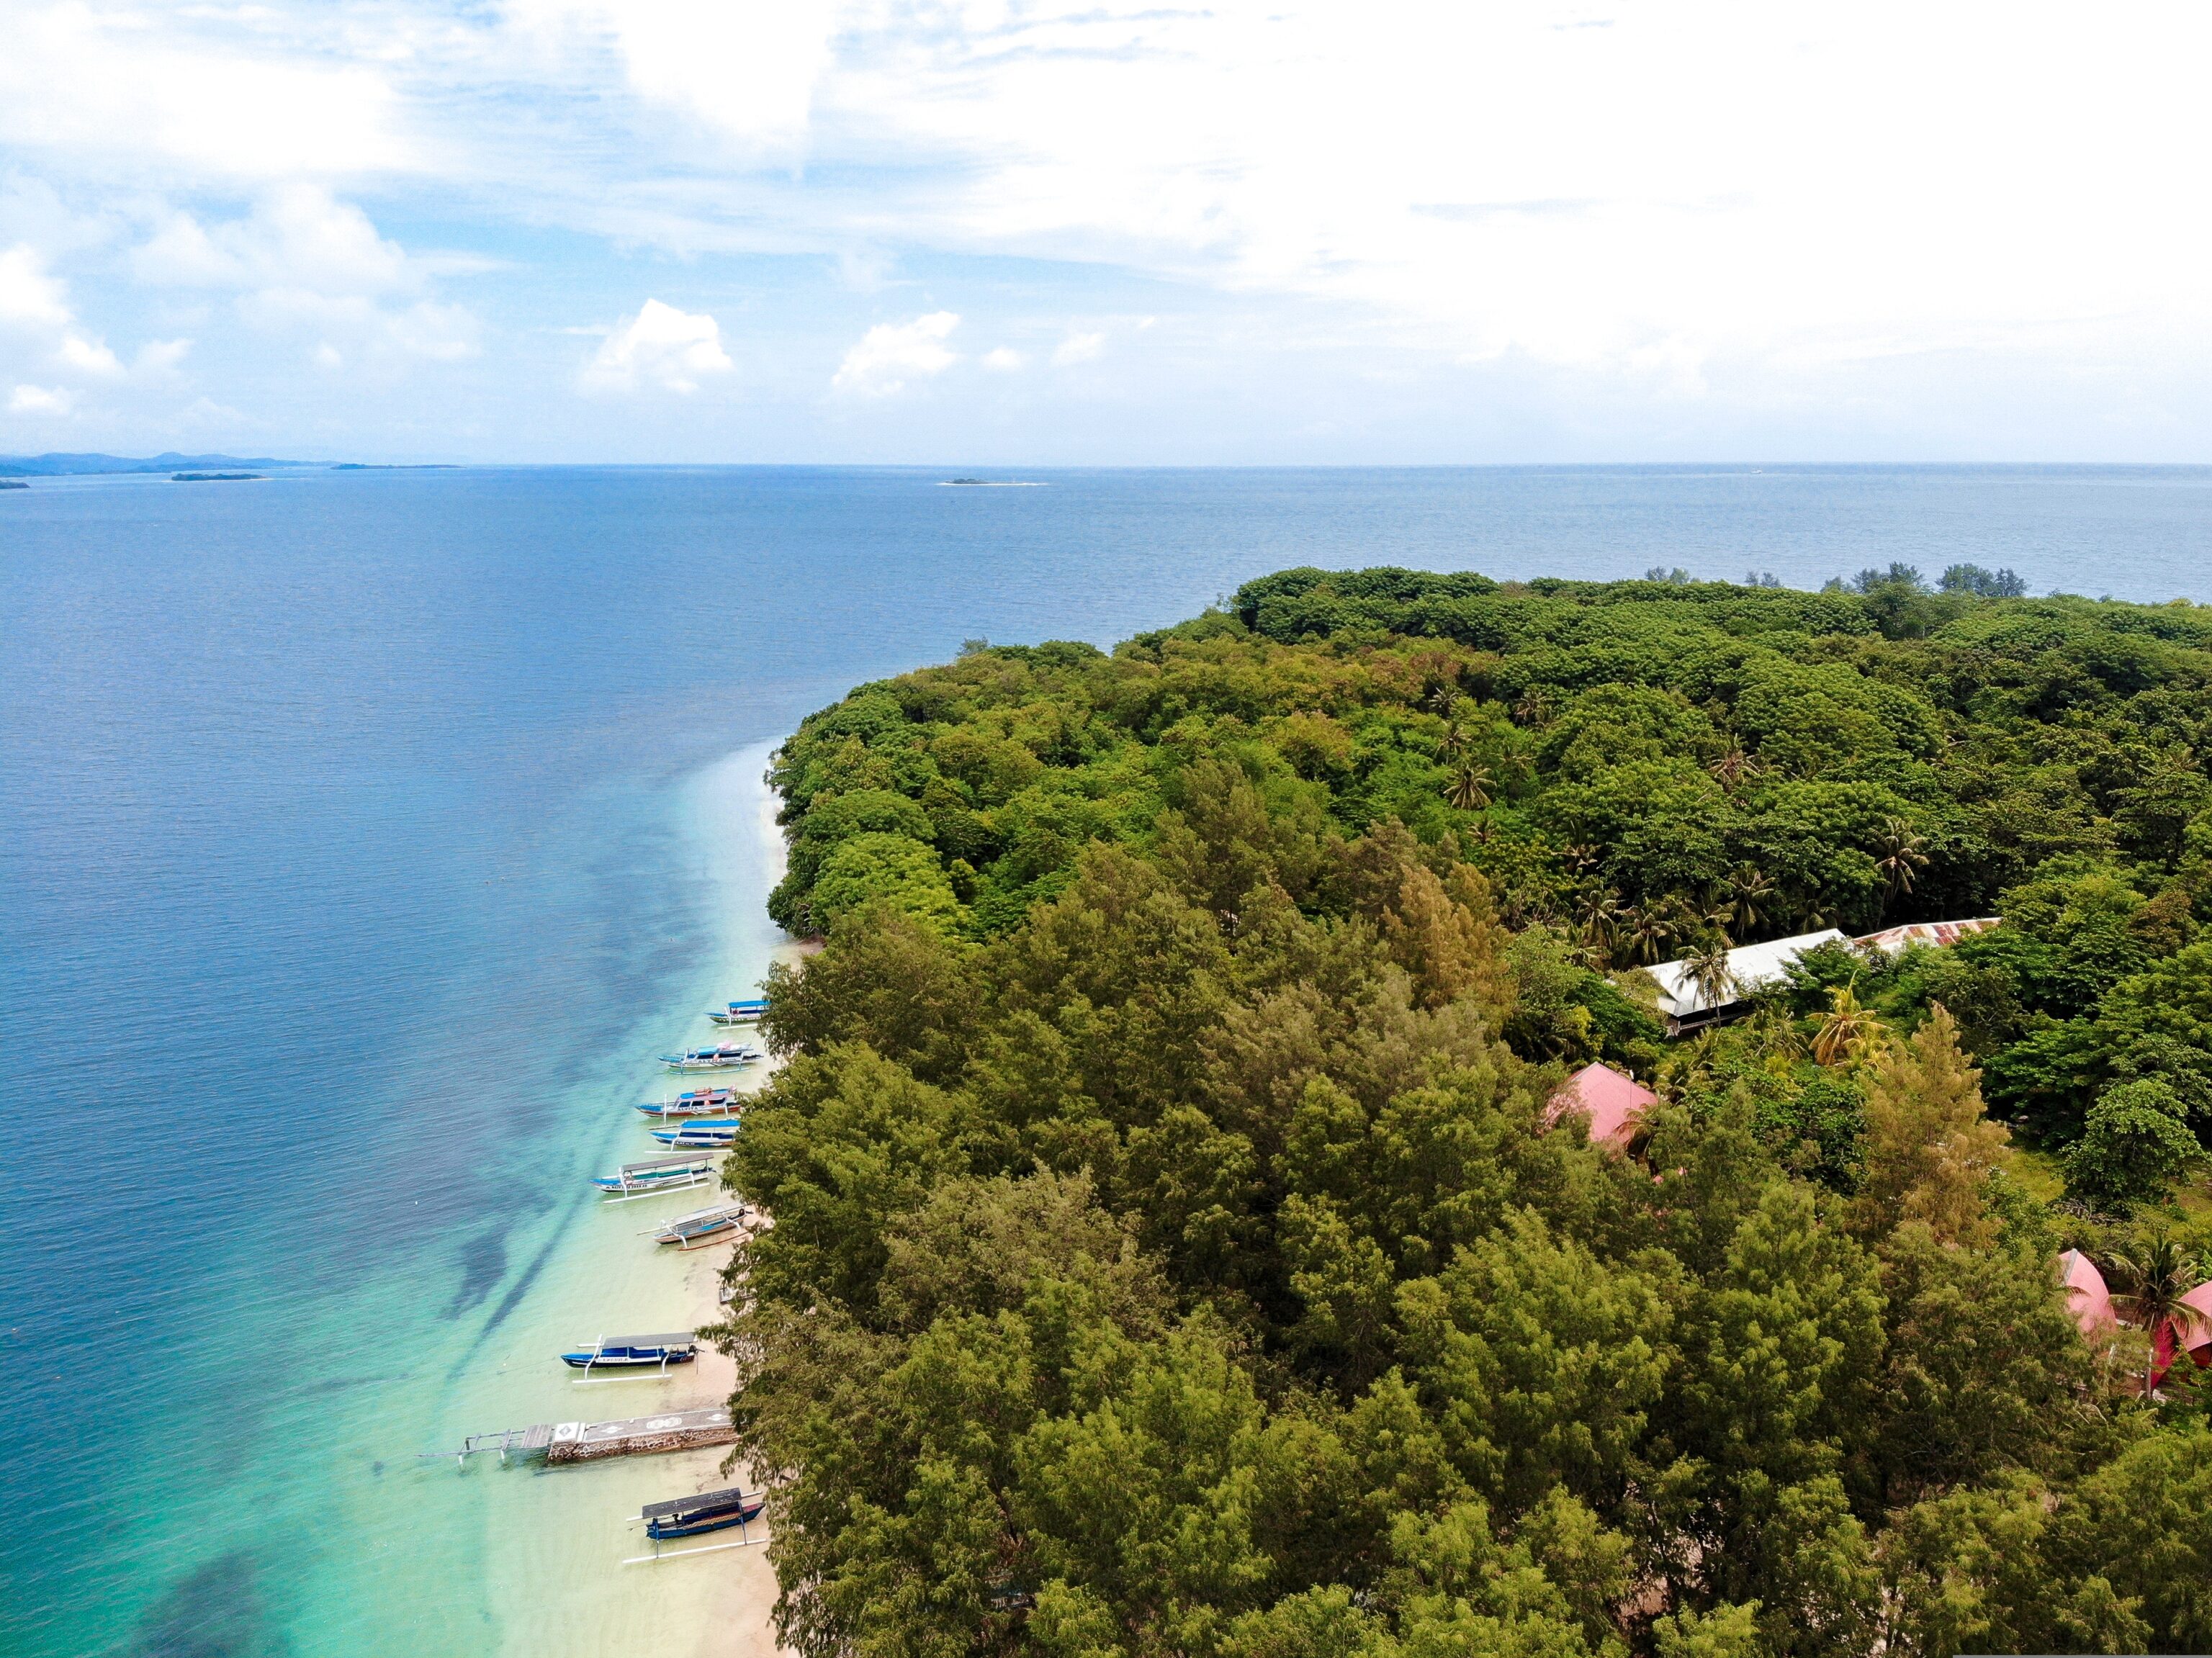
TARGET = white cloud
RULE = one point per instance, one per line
(40, 400)
(41, 325)
(28, 294)
(1003, 359)
(745, 68)
(1077, 348)
(661, 348)
(297, 236)
(309, 266)
(250, 94)
(88, 356)
(890, 354)
(1752, 208)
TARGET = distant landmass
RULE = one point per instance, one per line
(69, 465)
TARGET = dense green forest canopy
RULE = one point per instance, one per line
(1174, 1252)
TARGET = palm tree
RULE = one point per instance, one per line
(1649, 928)
(1750, 897)
(2155, 1276)
(1734, 767)
(1847, 1030)
(1904, 855)
(1707, 970)
(1773, 1032)
(1470, 786)
(1454, 741)
(1535, 708)
(1599, 914)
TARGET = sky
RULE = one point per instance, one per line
(1091, 232)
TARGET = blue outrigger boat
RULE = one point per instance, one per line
(724, 1056)
(689, 1517)
(742, 1012)
(634, 1352)
(719, 1133)
(695, 1102)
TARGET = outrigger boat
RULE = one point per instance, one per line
(724, 1056)
(634, 1352)
(742, 1012)
(695, 1102)
(657, 1174)
(702, 1226)
(724, 1132)
(688, 1516)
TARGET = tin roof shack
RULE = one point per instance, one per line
(1687, 1007)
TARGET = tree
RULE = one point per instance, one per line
(1707, 971)
(2133, 1149)
(1928, 1145)
(1848, 1031)
(1471, 786)
(1904, 855)
(1747, 898)
(2153, 1275)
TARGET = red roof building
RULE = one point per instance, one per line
(1613, 1103)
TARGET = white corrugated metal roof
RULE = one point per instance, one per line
(1752, 966)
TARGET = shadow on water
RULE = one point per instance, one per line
(483, 1263)
(513, 1297)
(215, 1613)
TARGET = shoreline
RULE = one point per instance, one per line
(554, 1539)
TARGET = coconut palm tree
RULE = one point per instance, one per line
(1749, 898)
(2155, 1276)
(1648, 928)
(1733, 768)
(1454, 740)
(1535, 708)
(1848, 1031)
(1904, 855)
(1707, 970)
(1470, 786)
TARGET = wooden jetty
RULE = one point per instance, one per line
(587, 1441)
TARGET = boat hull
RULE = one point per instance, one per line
(619, 1359)
(740, 1515)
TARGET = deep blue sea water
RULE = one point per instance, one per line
(348, 861)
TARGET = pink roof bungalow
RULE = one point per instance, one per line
(2197, 1334)
(1613, 1103)
(2087, 1298)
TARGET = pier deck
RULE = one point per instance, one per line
(586, 1442)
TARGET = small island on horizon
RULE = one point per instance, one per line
(218, 478)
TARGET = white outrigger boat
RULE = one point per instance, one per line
(715, 1134)
(657, 1175)
(695, 1102)
(702, 1226)
(723, 1056)
(742, 1012)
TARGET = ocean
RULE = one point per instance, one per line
(364, 834)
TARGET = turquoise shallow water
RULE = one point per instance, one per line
(361, 836)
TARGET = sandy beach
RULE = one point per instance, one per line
(556, 1539)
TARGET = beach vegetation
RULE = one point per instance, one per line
(1177, 1249)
